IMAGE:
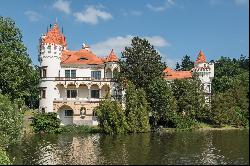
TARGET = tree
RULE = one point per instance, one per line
(177, 66)
(190, 99)
(186, 63)
(17, 76)
(141, 63)
(162, 102)
(11, 120)
(111, 117)
(137, 109)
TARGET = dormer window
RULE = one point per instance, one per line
(82, 58)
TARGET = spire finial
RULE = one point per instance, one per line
(56, 20)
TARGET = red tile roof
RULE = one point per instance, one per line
(201, 58)
(80, 57)
(55, 36)
(171, 74)
(112, 57)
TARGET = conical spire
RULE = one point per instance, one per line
(55, 36)
(112, 57)
(201, 57)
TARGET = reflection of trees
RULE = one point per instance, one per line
(124, 149)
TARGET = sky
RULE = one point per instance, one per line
(175, 27)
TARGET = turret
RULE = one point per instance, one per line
(50, 51)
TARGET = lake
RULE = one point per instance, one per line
(184, 147)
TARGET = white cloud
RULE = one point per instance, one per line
(167, 4)
(92, 15)
(63, 6)
(33, 16)
(118, 43)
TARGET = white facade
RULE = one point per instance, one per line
(73, 89)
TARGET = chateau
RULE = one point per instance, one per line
(74, 82)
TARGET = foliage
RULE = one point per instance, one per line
(11, 120)
(46, 122)
(162, 102)
(111, 117)
(230, 102)
(4, 159)
(137, 109)
(191, 106)
(18, 78)
(140, 63)
(79, 129)
(177, 66)
(186, 63)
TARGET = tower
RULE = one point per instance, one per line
(51, 46)
(205, 73)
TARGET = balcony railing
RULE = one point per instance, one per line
(78, 79)
(91, 100)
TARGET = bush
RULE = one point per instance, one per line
(4, 159)
(11, 121)
(111, 117)
(46, 122)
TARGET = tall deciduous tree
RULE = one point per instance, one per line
(190, 98)
(137, 109)
(17, 75)
(141, 63)
(162, 102)
(186, 63)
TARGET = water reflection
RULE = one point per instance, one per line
(196, 147)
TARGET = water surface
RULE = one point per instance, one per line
(186, 147)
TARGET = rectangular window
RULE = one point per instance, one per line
(67, 73)
(70, 73)
(96, 74)
(95, 94)
(71, 93)
(43, 93)
(73, 73)
(44, 73)
(68, 112)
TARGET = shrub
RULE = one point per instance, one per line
(46, 122)
(111, 117)
(4, 159)
(11, 120)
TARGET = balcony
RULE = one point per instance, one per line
(78, 100)
(77, 79)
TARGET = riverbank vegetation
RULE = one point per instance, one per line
(150, 101)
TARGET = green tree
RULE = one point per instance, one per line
(11, 120)
(178, 67)
(190, 99)
(162, 102)
(4, 159)
(17, 76)
(186, 63)
(137, 109)
(140, 63)
(111, 117)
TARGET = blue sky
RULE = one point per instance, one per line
(174, 27)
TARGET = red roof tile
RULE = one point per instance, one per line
(55, 36)
(80, 57)
(201, 58)
(171, 74)
(112, 57)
